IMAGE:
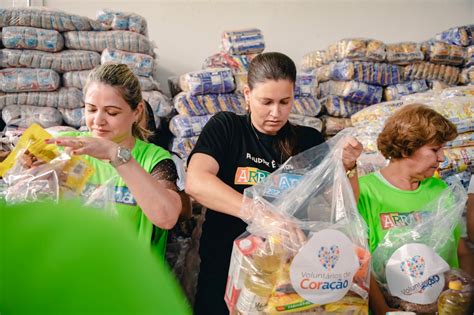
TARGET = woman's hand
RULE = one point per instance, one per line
(99, 148)
(351, 152)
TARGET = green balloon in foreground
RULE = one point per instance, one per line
(67, 259)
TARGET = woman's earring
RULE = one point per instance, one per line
(247, 106)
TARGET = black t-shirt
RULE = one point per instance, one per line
(245, 157)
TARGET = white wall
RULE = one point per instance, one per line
(187, 31)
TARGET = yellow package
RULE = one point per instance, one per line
(31, 149)
(349, 304)
(77, 172)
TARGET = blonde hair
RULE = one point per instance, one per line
(122, 78)
(412, 127)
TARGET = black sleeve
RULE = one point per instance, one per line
(165, 170)
(216, 137)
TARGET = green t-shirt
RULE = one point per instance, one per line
(384, 207)
(148, 156)
(70, 260)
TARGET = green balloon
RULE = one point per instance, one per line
(67, 259)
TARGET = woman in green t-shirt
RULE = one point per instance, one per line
(412, 140)
(145, 192)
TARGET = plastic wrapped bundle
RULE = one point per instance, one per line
(307, 121)
(183, 146)
(338, 107)
(443, 53)
(64, 61)
(431, 71)
(404, 53)
(140, 64)
(357, 92)
(241, 80)
(305, 84)
(314, 60)
(357, 49)
(148, 84)
(438, 85)
(73, 117)
(198, 105)
(188, 126)
(159, 103)
(47, 19)
(210, 81)
(75, 79)
(275, 268)
(469, 58)
(118, 20)
(306, 105)
(367, 72)
(238, 63)
(243, 42)
(32, 38)
(459, 110)
(456, 160)
(333, 125)
(26, 115)
(467, 76)
(461, 35)
(64, 97)
(28, 80)
(462, 140)
(375, 114)
(395, 92)
(98, 41)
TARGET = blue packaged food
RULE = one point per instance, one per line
(337, 106)
(240, 42)
(354, 91)
(188, 126)
(395, 92)
(140, 64)
(210, 81)
(64, 97)
(119, 20)
(305, 84)
(460, 35)
(28, 80)
(21, 37)
(198, 105)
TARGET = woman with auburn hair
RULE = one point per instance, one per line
(412, 140)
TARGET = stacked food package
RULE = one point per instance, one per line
(48, 55)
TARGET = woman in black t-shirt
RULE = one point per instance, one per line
(234, 152)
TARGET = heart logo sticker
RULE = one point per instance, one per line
(414, 266)
(328, 257)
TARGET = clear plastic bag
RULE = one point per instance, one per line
(395, 92)
(20, 37)
(238, 63)
(307, 121)
(357, 92)
(306, 105)
(188, 126)
(119, 20)
(209, 81)
(305, 84)
(314, 59)
(198, 105)
(306, 245)
(63, 98)
(409, 262)
(460, 35)
(28, 80)
(444, 53)
(243, 42)
(140, 64)
(431, 71)
(357, 49)
(338, 107)
(26, 115)
(404, 53)
(159, 103)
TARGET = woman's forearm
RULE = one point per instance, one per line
(161, 205)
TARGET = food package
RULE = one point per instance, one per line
(188, 126)
(26, 115)
(64, 97)
(119, 20)
(307, 121)
(356, 92)
(140, 64)
(409, 263)
(444, 53)
(209, 81)
(404, 53)
(395, 92)
(438, 85)
(467, 76)
(457, 160)
(64, 61)
(314, 59)
(305, 248)
(238, 63)
(49, 19)
(461, 35)
(431, 71)
(337, 106)
(159, 103)
(28, 80)
(21, 37)
(35, 170)
(357, 49)
(183, 146)
(367, 72)
(469, 58)
(198, 105)
(99, 41)
(333, 125)
(306, 105)
(73, 117)
(243, 42)
(305, 84)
